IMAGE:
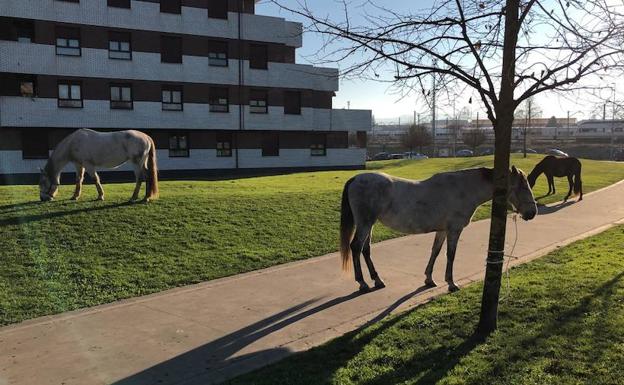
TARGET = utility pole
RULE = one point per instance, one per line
(524, 146)
(568, 129)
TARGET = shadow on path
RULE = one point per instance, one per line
(544, 210)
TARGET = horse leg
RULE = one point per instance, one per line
(577, 179)
(91, 171)
(551, 182)
(79, 179)
(435, 250)
(571, 183)
(357, 244)
(366, 251)
(138, 176)
(451, 247)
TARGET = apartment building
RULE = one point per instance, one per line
(214, 84)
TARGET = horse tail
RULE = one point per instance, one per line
(152, 171)
(346, 227)
(578, 184)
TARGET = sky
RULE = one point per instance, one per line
(387, 105)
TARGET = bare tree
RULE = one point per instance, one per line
(416, 136)
(505, 51)
(474, 138)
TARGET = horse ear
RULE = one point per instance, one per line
(514, 170)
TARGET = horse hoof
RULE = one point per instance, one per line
(74, 198)
(364, 288)
(453, 288)
(100, 198)
(430, 283)
(379, 284)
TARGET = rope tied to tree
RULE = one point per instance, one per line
(509, 257)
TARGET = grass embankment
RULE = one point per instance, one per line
(64, 255)
(562, 323)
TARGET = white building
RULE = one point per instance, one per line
(214, 84)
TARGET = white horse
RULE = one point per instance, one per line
(88, 150)
(444, 203)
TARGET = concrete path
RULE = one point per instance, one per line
(213, 331)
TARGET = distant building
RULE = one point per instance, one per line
(214, 84)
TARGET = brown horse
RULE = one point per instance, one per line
(552, 166)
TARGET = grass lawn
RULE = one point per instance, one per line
(562, 323)
(65, 255)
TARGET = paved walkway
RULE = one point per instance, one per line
(212, 331)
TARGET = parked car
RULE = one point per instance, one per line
(397, 156)
(619, 156)
(381, 156)
(556, 152)
(528, 150)
(415, 155)
(464, 153)
(486, 151)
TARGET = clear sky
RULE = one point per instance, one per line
(379, 97)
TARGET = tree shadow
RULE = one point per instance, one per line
(207, 363)
(544, 210)
(18, 206)
(23, 219)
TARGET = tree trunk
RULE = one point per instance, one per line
(502, 123)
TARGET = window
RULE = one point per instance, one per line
(119, 3)
(248, 6)
(28, 86)
(292, 102)
(25, 31)
(35, 144)
(121, 96)
(270, 144)
(178, 145)
(171, 6)
(119, 46)
(70, 1)
(224, 144)
(68, 41)
(70, 94)
(258, 102)
(218, 53)
(172, 98)
(318, 144)
(218, 9)
(170, 49)
(258, 56)
(219, 99)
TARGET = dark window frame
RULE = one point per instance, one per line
(258, 62)
(292, 102)
(28, 79)
(126, 4)
(24, 30)
(69, 35)
(218, 9)
(168, 6)
(218, 53)
(258, 104)
(121, 104)
(178, 151)
(224, 143)
(270, 144)
(318, 144)
(69, 102)
(166, 55)
(171, 105)
(39, 152)
(119, 38)
(216, 94)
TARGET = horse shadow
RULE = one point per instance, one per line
(544, 210)
(23, 219)
(213, 362)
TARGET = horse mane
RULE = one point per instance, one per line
(52, 168)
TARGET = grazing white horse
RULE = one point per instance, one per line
(444, 203)
(88, 150)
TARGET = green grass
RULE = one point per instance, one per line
(562, 323)
(65, 255)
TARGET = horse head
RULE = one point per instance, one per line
(520, 194)
(48, 187)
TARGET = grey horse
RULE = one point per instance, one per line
(444, 204)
